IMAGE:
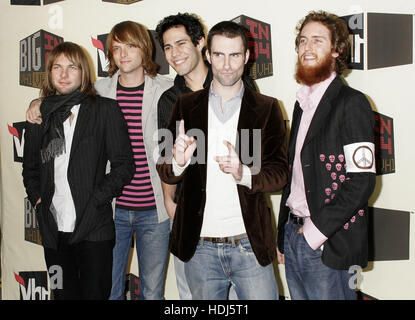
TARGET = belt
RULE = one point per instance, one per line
(296, 219)
(227, 240)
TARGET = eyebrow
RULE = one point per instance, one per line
(177, 41)
(60, 65)
(322, 37)
(236, 52)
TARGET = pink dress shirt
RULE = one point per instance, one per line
(297, 202)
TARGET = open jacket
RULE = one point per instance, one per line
(100, 135)
(153, 88)
(257, 112)
(337, 199)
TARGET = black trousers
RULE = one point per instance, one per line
(81, 271)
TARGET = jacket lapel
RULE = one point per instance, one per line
(148, 96)
(199, 120)
(111, 88)
(294, 131)
(246, 118)
(323, 109)
(81, 124)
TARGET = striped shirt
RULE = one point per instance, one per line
(139, 194)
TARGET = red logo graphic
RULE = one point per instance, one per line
(19, 279)
(13, 131)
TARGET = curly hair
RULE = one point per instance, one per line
(135, 34)
(339, 35)
(191, 22)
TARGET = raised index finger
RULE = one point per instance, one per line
(181, 127)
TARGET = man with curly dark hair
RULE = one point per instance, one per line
(322, 225)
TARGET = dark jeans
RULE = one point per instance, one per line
(307, 277)
(84, 268)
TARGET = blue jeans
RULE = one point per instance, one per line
(215, 266)
(152, 241)
(307, 277)
(183, 287)
(181, 282)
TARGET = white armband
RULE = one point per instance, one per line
(360, 157)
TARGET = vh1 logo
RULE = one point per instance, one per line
(132, 287)
(17, 131)
(259, 44)
(100, 43)
(31, 227)
(388, 42)
(34, 51)
(384, 144)
(33, 285)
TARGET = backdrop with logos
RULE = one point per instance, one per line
(381, 66)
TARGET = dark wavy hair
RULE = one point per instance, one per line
(191, 22)
(339, 35)
(136, 34)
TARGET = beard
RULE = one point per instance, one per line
(311, 75)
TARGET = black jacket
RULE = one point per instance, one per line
(100, 135)
(343, 117)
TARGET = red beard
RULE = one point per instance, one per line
(311, 75)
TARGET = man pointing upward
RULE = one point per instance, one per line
(184, 146)
(222, 226)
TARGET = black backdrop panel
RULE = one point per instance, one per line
(389, 40)
(388, 234)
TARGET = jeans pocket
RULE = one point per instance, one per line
(245, 247)
(317, 252)
(247, 254)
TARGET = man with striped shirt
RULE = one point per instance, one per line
(136, 86)
(133, 81)
(139, 193)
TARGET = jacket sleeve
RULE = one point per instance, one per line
(357, 136)
(118, 150)
(273, 173)
(31, 162)
(164, 163)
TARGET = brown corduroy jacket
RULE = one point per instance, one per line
(257, 112)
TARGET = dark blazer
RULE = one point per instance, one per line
(337, 200)
(100, 135)
(257, 112)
